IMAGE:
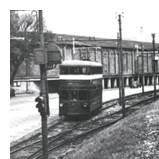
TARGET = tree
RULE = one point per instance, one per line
(14, 26)
(25, 26)
(21, 49)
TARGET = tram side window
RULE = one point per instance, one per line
(97, 70)
(64, 70)
(64, 95)
(74, 95)
(83, 95)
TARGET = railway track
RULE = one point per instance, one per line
(15, 147)
(53, 130)
(64, 133)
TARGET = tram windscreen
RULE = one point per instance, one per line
(79, 95)
(84, 70)
(73, 70)
(64, 70)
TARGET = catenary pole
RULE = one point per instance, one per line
(142, 65)
(121, 67)
(154, 70)
(142, 69)
(43, 78)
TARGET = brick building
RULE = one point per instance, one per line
(102, 50)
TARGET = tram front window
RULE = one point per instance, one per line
(64, 95)
(84, 70)
(79, 95)
(73, 70)
(64, 70)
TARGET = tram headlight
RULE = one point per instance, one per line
(85, 105)
(61, 104)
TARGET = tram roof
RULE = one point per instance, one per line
(80, 63)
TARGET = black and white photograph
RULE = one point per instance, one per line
(84, 79)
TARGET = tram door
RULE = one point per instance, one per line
(73, 102)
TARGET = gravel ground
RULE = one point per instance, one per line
(135, 137)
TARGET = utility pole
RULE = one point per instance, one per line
(121, 67)
(44, 94)
(153, 61)
(47, 59)
(119, 64)
(142, 69)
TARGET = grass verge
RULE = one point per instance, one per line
(135, 137)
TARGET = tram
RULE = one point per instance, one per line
(80, 88)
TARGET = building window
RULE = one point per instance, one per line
(17, 84)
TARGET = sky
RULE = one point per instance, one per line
(99, 18)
